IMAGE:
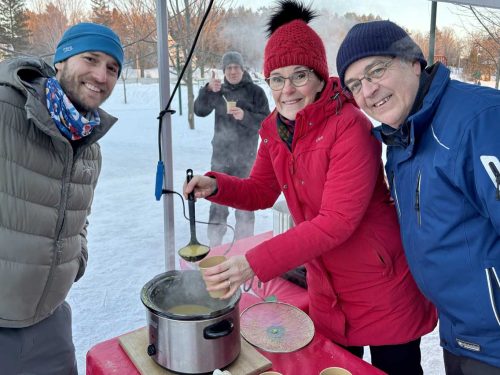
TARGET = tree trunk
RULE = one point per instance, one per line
(189, 70)
(190, 95)
(497, 75)
(124, 89)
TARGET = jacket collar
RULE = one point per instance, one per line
(28, 76)
(423, 111)
(330, 103)
(245, 80)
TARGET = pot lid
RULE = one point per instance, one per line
(276, 327)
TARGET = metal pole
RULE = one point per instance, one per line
(432, 35)
(166, 136)
(178, 74)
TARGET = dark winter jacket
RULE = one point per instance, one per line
(360, 288)
(46, 189)
(234, 142)
(448, 203)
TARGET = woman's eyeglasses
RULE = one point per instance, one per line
(374, 74)
(297, 79)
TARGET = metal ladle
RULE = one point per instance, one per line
(193, 251)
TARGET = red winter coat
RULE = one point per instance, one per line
(347, 235)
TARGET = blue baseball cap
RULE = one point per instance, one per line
(85, 37)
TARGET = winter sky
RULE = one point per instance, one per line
(412, 14)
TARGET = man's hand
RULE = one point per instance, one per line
(215, 84)
(237, 113)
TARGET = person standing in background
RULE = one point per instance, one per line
(50, 122)
(443, 150)
(240, 106)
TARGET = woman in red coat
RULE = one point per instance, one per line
(317, 149)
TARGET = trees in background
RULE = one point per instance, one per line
(14, 31)
(184, 19)
(483, 27)
(101, 13)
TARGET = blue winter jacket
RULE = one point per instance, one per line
(446, 187)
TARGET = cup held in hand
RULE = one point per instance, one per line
(230, 105)
(208, 263)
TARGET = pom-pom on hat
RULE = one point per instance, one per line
(376, 38)
(292, 41)
(86, 37)
(232, 57)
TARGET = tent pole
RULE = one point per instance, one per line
(432, 34)
(166, 136)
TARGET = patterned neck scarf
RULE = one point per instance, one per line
(69, 121)
(285, 130)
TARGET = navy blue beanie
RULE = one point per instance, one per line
(85, 37)
(376, 38)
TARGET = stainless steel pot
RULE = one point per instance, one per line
(189, 331)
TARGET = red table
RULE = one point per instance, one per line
(108, 357)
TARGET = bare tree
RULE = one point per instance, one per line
(101, 13)
(74, 10)
(483, 27)
(137, 30)
(185, 18)
(47, 28)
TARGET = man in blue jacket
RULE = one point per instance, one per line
(443, 150)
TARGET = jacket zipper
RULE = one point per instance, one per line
(59, 227)
(497, 177)
(395, 193)
(417, 199)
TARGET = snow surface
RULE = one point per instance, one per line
(126, 240)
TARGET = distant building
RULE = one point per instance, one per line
(442, 59)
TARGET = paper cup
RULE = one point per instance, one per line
(208, 263)
(230, 105)
(335, 371)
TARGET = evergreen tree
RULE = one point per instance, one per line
(101, 13)
(14, 24)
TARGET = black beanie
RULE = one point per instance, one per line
(376, 38)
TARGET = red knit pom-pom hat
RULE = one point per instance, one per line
(294, 43)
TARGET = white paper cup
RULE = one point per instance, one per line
(335, 371)
(208, 263)
(230, 105)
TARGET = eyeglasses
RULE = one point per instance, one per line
(297, 79)
(374, 74)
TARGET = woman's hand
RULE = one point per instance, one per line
(202, 186)
(229, 274)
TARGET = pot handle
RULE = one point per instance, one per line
(218, 330)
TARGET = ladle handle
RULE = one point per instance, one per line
(189, 176)
(192, 223)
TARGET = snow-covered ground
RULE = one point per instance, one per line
(126, 240)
